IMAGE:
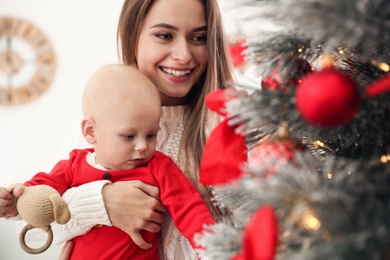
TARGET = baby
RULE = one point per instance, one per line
(121, 114)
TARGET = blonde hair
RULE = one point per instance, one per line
(217, 75)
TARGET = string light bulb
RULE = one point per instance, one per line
(382, 66)
(384, 158)
(310, 221)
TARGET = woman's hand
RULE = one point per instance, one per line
(66, 251)
(133, 206)
(8, 202)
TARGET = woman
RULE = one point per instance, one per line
(180, 46)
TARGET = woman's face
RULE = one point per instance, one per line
(172, 47)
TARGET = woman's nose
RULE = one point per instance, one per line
(181, 51)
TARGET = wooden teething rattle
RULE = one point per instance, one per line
(39, 206)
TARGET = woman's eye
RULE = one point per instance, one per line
(200, 39)
(163, 36)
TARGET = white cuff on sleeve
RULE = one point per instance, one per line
(87, 210)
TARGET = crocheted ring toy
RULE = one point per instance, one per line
(39, 206)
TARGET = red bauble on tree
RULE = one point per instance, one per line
(278, 148)
(379, 87)
(236, 52)
(327, 98)
(282, 149)
(275, 81)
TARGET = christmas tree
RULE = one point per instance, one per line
(302, 159)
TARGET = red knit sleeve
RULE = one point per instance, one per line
(183, 202)
(60, 177)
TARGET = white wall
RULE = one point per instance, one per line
(83, 33)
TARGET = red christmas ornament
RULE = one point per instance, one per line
(274, 81)
(260, 236)
(236, 52)
(280, 147)
(327, 98)
(378, 87)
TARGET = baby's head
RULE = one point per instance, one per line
(121, 108)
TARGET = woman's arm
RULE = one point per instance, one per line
(66, 251)
(142, 212)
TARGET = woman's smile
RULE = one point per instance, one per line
(177, 75)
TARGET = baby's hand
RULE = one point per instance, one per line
(8, 202)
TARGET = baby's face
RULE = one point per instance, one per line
(123, 109)
(127, 138)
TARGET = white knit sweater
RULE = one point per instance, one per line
(172, 244)
(87, 206)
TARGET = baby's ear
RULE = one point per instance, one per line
(88, 130)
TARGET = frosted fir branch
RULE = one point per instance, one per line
(364, 73)
(356, 225)
(353, 24)
(367, 135)
(242, 199)
(245, 110)
(220, 241)
(352, 207)
(250, 193)
(260, 113)
(280, 52)
(273, 46)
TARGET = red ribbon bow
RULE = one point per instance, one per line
(225, 151)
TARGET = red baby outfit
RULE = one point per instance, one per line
(183, 202)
